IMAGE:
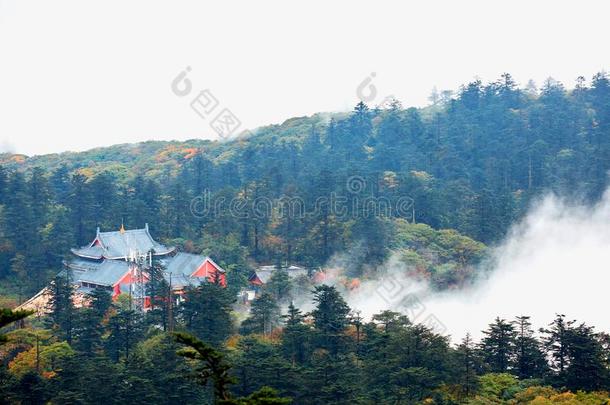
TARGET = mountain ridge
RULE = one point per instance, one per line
(175, 151)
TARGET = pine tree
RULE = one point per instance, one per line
(391, 320)
(103, 193)
(156, 362)
(530, 359)
(418, 361)
(256, 363)
(556, 342)
(87, 333)
(40, 198)
(61, 306)
(279, 285)
(100, 302)
(296, 336)
(330, 317)
(586, 369)
(80, 205)
(3, 184)
(59, 184)
(18, 222)
(206, 311)
(331, 380)
(498, 346)
(356, 320)
(19, 270)
(360, 128)
(214, 366)
(158, 291)
(264, 315)
(89, 323)
(125, 330)
(31, 389)
(179, 207)
(8, 316)
(467, 363)
(58, 237)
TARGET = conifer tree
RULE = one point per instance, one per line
(18, 221)
(330, 317)
(61, 306)
(586, 369)
(87, 332)
(498, 346)
(89, 323)
(206, 311)
(556, 342)
(467, 363)
(530, 359)
(279, 285)
(331, 379)
(158, 291)
(296, 336)
(264, 315)
(79, 203)
(59, 184)
(214, 367)
(257, 363)
(3, 184)
(8, 316)
(125, 330)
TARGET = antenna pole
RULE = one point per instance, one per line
(170, 305)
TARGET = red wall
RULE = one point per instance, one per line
(209, 270)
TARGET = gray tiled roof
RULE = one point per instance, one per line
(120, 245)
(264, 273)
(80, 265)
(108, 272)
(181, 266)
(93, 252)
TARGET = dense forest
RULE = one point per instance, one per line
(433, 186)
(472, 162)
(109, 353)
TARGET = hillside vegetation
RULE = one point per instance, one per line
(470, 162)
(430, 188)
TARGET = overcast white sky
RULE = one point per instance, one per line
(76, 75)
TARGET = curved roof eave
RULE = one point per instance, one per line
(79, 254)
(163, 253)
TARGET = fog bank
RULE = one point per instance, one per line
(556, 260)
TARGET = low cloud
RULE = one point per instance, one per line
(556, 260)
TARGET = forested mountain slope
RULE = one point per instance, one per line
(471, 162)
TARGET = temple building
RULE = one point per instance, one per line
(118, 262)
(263, 274)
